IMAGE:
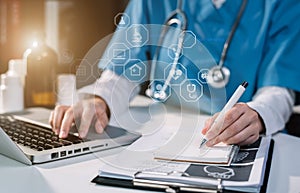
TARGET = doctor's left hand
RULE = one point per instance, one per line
(240, 125)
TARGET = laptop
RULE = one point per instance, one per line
(27, 137)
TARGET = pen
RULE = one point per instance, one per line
(232, 101)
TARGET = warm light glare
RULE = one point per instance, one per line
(35, 44)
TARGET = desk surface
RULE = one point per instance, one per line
(75, 174)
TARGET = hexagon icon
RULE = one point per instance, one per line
(190, 39)
(87, 71)
(172, 51)
(191, 90)
(122, 20)
(178, 74)
(118, 53)
(202, 75)
(137, 35)
(135, 71)
(155, 92)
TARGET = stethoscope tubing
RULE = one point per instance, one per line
(231, 34)
(168, 23)
(173, 19)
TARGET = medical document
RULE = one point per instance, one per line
(220, 154)
(246, 173)
(139, 160)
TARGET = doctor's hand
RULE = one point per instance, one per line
(88, 111)
(240, 125)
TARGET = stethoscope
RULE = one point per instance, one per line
(217, 77)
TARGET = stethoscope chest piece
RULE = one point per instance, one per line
(218, 76)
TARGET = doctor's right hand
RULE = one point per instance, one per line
(89, 112)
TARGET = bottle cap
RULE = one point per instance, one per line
(16, 66)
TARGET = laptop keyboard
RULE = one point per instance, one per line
(33, 136)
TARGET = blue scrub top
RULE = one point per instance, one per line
(264, 50)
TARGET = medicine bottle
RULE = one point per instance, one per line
(11, 92)
(41, 62)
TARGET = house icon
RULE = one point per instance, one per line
(135, 70)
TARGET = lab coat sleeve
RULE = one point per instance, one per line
(274, 105)
(116, 90)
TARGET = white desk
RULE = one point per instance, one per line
(74, 175)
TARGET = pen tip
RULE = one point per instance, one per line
(203, 142)
(245, 84)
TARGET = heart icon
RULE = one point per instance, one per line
(177, 74)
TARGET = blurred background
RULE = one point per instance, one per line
(71, 27)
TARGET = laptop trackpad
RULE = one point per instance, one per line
(110, 132)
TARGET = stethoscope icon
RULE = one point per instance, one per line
(217, 77)
(191, 89)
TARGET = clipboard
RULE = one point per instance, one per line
(178, 186)
(157, 185)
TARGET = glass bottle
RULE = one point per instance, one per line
(41, 62)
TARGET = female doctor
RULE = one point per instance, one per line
(263, 50)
